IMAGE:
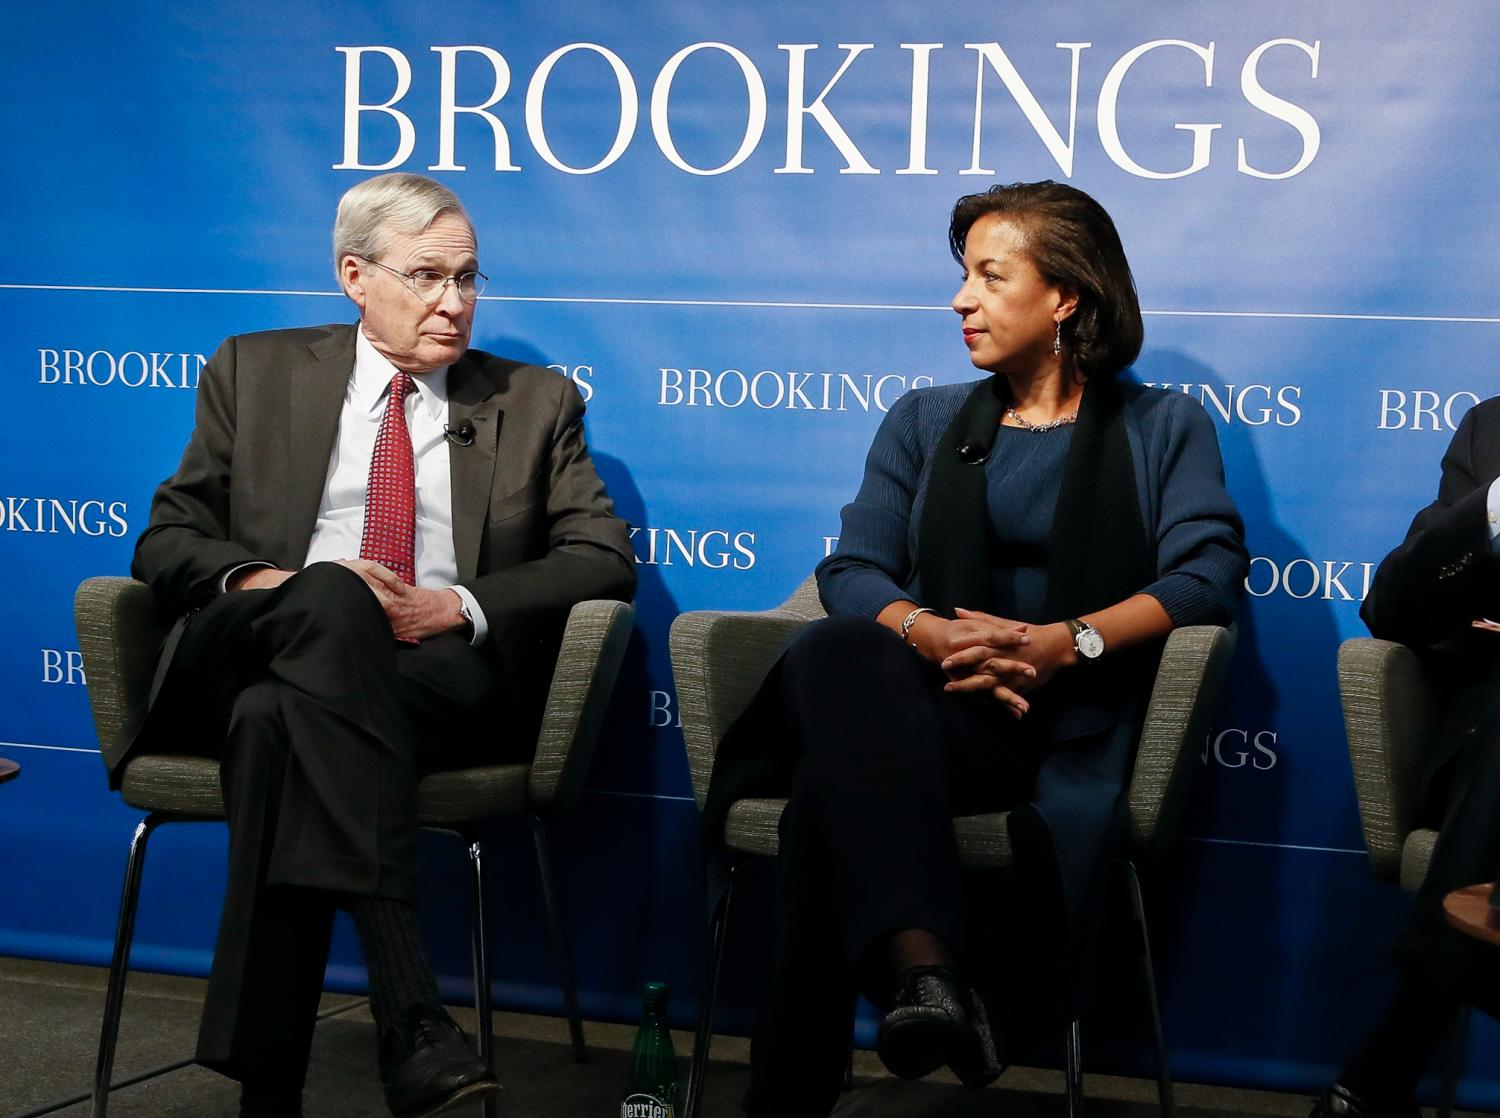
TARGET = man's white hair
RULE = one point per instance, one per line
(372, 212)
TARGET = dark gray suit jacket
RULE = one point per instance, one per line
(533, 529)
(1443, 576)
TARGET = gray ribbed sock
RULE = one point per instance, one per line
(400, 976)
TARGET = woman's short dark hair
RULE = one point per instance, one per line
(1073, 242)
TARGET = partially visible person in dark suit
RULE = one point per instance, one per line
(1439, 593)
(373, 541)
(1018, 551)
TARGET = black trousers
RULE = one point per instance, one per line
(323, 724)
(1467, 853)
(866, 842)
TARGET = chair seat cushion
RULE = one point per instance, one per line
(1416, 856)
(471, 795)
(983, 840)
(751, 826)
(190, 786)
(181, 785)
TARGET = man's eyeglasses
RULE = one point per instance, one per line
(429, 285)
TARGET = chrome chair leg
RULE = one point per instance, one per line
(1073, 1070)
(557, 930)
(483, 1001)
(114, 997)
(717, 927)
(1148, 973)
(1453, 1063)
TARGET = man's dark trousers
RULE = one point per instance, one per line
(1467, 853)
(323, 724)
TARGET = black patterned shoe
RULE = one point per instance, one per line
(1340, 1102)
(937, 1021)
(428, 1067)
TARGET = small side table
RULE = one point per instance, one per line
(9, 770)
(1468, 910)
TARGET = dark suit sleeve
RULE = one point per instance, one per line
(186, 546)
(586, 551)
(1445, 574)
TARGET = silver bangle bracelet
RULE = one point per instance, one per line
(909, 619)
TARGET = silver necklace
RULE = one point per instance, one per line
(1026, 425)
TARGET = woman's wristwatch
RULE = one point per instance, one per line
(910, 619)
(1087, 640)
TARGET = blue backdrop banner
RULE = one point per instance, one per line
(726, 224)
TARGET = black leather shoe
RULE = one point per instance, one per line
(428, 1067)
(1340, 1102)
(937, 1021)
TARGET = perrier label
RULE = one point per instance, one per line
(645, 1106)
(651, 1080)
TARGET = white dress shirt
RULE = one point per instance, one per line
(1494, 509)
(341, 509)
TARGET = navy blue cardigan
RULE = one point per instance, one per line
(1190, 520)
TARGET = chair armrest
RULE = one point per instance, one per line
(121, 627)
(588, 662)
(1194, 664)
(805, 601)
(719, 660)
(1390, 718)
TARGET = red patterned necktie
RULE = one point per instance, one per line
(391, 494)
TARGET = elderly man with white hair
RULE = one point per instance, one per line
(373, 540)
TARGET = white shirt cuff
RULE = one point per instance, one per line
(1494, 512)
(481, 627)
(232, 571)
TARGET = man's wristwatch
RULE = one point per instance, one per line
(1087, 640)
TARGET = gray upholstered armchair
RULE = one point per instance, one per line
(1391, 719)
(120, 628)
(719, 660)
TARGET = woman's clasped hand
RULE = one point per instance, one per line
(993, 657)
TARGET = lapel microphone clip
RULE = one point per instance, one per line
(463, 435)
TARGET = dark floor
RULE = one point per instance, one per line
(49, 1021)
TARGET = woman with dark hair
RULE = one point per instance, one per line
(1017, 552)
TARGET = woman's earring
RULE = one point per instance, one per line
(1057, 339)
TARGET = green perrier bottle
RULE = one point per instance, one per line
(651, 1081)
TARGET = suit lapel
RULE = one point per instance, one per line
(1486, 444)
(316, 396)
(471, 469)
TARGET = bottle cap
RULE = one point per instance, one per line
(654, 995)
